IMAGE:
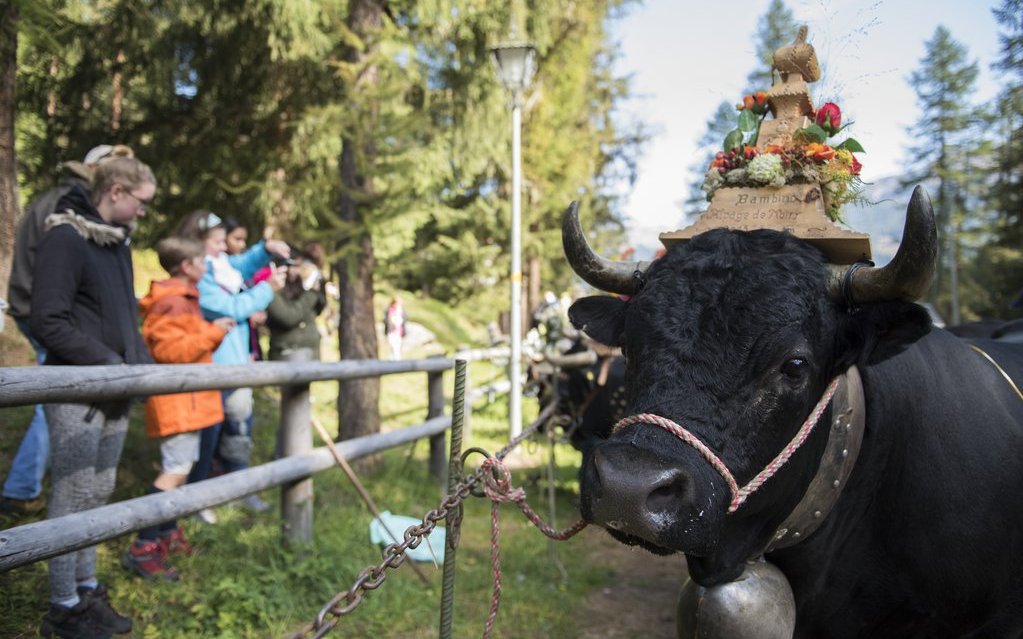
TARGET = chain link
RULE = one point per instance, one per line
(371, 577)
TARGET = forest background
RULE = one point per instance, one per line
(381, 129)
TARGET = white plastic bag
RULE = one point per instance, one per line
(397, 524)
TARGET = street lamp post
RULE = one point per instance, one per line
(515, 68)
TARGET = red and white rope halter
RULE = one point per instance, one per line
(739, 495)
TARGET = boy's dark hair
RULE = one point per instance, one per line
(174, 250)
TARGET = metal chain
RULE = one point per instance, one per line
(371, 577)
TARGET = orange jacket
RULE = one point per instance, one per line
(176, 333)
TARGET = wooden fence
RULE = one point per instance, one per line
(86, 384)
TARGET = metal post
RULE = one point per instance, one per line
(454, 519)
(295, 438)
(515, 364)
(435, 408)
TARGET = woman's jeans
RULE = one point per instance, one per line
(25, 481)
(230, 441)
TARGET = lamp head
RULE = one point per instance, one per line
(515, 64)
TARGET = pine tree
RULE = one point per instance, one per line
(1006, 193)
(358, 410)
(250, 108)
(9, 13)
(718, 126)
(943, 84)
(776, 28)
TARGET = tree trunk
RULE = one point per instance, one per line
(8, 167)
(533, 295)
(51, 96)
(117, 104)
(358, 400)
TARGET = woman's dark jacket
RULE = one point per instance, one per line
(292, 322)
(83, 308)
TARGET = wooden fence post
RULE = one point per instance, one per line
(295, 438)
(435, 408)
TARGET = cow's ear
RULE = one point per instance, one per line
(602, 317)
(879, 331)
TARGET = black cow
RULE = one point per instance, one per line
(593, 398)
(735, 336)
(590, 396)
(1006, 330)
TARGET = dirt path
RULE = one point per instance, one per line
(640, 596)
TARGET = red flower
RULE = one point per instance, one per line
(829, 118)
(856, 166)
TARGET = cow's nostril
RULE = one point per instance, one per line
(666, 498)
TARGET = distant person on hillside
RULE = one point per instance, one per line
(176, 333)
(23, 489)
(291, 317)
(222, 293)
(394, 326)
(84, 313)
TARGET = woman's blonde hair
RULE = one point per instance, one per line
(128, 172)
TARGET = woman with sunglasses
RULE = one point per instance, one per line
(83, 312)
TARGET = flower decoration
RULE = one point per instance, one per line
(756, 102)
(767, 170)
(829, 118)
(811, 158)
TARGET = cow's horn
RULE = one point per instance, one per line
(908, 276)
(614, 277)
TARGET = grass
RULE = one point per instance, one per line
(245, 583)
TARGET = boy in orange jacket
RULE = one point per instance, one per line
(176, 333)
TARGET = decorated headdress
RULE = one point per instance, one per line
(779, 168)
(784, 173)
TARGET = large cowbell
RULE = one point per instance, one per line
(757, 605)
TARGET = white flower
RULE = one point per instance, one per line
(766, 169)
(736, 176)
(712, 181)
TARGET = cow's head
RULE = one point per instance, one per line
(593, 397)
(735, 336)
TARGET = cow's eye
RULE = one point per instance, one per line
(795, 368)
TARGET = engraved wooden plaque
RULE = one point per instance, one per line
(794, 208)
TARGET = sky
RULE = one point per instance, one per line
(685, 56)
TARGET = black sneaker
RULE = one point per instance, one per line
(103, 611)
(14, 510)
(79, 622)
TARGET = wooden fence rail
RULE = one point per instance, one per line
(51, 537)
(42, 384)
(87, 384)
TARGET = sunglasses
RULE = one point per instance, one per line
(208, 222)
(142, 203)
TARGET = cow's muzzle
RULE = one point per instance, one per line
(640, 497)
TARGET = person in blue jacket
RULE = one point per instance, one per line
(222, 293)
